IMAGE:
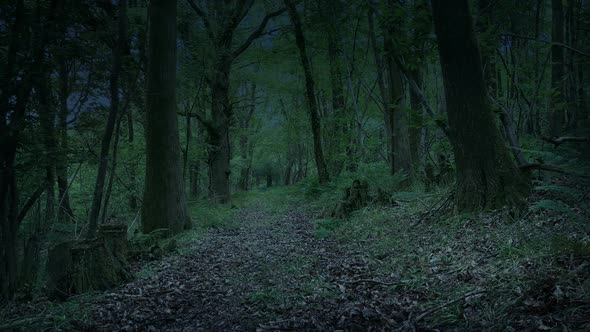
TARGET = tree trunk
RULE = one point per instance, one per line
(11, 126)
(64, 213)
(132, 173)
(47, 122)
(244, 182)
(487, 177)
(557, 101)
(489, 42)
(112, 119)
(385, 101)
(164, 201)
(219, 152)
(112, 172)
(341, 118)
(396, 115)
(322, 169)
(415, 127)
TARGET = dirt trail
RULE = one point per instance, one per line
(272, 273)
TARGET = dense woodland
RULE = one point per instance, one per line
(294, 165)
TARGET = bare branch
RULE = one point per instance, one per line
(204, 17)
(547, 42)
(30, 202)
(258, 32)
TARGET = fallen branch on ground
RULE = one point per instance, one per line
(370, 281)
(559, 140)
(446, 304)
(550, 168)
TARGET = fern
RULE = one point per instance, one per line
(555, 206)
(567, 191)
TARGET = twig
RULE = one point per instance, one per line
(446, 304)
(371, 281)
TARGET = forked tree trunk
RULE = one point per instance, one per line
(487, 177)
(164, 201)
(322, 169)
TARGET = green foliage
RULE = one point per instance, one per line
(213, 216)
(562, 245)
(325, 227)
(555, 206)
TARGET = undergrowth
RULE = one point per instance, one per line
(533, 267)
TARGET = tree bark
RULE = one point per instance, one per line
(322, 169)
(244, 182)
(487, 177)
(164, 201)
(47, 122)
(132, 172)
(395, 114)
(415, 129)
(557, 101)
(220, 153)
(64, 213)
(15, 97)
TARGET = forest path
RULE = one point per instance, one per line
(269, 273)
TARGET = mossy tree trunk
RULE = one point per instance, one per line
(164, 201)
(487, 176)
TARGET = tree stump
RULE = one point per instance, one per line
(355, 197)
(115, 238)
(76, 267)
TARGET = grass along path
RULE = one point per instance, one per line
(274, 263)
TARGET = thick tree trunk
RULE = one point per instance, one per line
(322, 169)
(487, 177)
(8, 219)
(16, 98)
(219, 152)
(112, 119)
(557, 101)
(164, 200)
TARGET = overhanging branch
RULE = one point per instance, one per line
(258, 32)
